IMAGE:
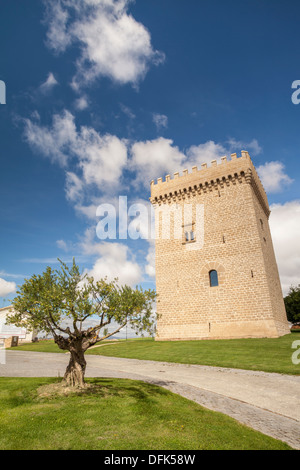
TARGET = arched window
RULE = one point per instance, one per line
(213, 278)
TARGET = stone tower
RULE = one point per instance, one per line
(216, 272)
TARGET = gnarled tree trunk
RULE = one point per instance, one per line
(74, 375)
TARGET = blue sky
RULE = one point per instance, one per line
(103, 96)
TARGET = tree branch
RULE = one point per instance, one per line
(91, 342)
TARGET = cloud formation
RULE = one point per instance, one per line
(47, 86)
(153, 158)
(273, 177)
(160, 121)
(113, 260)
(99, 159)
(252, 146)
(112, 43)
(285, 229)
(6, 287)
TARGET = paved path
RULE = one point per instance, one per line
(269, 403)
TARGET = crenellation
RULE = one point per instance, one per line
(225, 173)
(214, 164)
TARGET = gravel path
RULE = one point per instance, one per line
(266, 402)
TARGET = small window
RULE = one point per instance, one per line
(189, 233)
(213, 278)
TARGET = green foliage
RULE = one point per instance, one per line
(56, 299)
(292, 304)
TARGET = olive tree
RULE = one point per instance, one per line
(61, 302)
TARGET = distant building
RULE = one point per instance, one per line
(216, 272)
(8, 332)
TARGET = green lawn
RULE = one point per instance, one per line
(42, 346)
(122, 414)
(269, 355)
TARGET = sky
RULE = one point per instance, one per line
(103, 96)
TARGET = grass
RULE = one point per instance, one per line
(121, 414)
(269, 355)
(42, 346)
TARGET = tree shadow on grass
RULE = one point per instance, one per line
(103, 388)
(97, 388)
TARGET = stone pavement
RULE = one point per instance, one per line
(263, 401)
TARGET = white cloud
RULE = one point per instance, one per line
(81, 103)
(74, 187)
(57, 18)
(89, 209)
(252, 147)
(150, 258)
(114, 263)
(205, 153)
(62, 245)
(273, 177)
(113, 260)
(6, 287)
(160, 120)
(12, 276)
(112, 42)
(154, 159)
(101, 159)
(127, 111)
(285, 229)
(49, 83)
(54, 142)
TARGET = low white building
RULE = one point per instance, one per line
(9, 331)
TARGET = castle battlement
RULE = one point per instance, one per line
(234, 171)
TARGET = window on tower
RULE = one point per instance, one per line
(213, 278)
(189, 233)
